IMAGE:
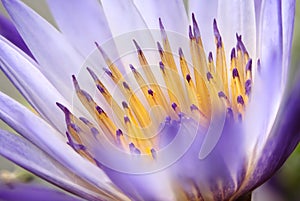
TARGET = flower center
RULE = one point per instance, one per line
(190, 91)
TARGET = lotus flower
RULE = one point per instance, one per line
(202, 114)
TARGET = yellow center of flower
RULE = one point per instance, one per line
(188, 92)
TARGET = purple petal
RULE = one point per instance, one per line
(83, 23)
(48, 139)
(32, 192)
(175, 21)
(25, 75)
(27, 155)
(284, 138)
(57, 58)
(9, 31)
(288, 14)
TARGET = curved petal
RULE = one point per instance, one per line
(267, 88)
(24, 74)
(9, 31)
(175, 21)
(83, 23)
(27, 155)
(47, 138)
(32, 192)
(237, 17)
(205, 12)
(288, 14)
(284, 138)
(56, 56)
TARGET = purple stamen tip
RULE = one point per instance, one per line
(161, 26)
(87, 95)
(209, 76)
(193, 107)
(101, 89)
(248, 87)
(232, 55)
(125, 85)
(221, 94)
(240, 100)
(210, 57)
(161, 65)
(235, 73)
(229, 112)
(188, 78)
(138, 48)
(75, 127)
(99, 109)
(249, 65)
(217, 34)
(108, 72)
(180, 52)
(84, 120)
(195, 27)
(159, 47)
(119, 132)
(131, 146)
(153, 153)
(258, 65)
(132, 67)
(150, 92)
(94, 131)
(191, 36)
(126, 119)
(174, 106)
(124, 104)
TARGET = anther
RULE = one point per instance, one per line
(125, 85)
(217, 34)
(119, 132)
(195, 27)
(132, 67)
(221, 94)
(235, 73)
(150, 92)
(94, 131)
(210, 57)
(138, 48)
(248, 87)
(249, 65)
(125, 105)
(188, 78)
(240, 100)
(232, 55)
(99, 109)
(209, 76)
(153, 153)
(101, 89)
(108, 72)
(174, 106)
(191, 32)
(126, 119)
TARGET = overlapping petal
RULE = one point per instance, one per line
(47, 138)
(57, 58)
(27, 155)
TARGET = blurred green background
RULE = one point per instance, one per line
(285, 185)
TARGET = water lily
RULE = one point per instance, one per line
(202, 114)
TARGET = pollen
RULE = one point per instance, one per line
(190, 92)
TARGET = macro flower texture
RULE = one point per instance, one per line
(149, 100)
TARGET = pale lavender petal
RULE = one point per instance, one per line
(268, 87)
(25, 75)
(237, 17)
(82, 23)
(32, 192)
(132, 27)
(9, 31)
(284, 138)
(175, 21)
(45, 137)
(27, 155)
(288, 14)
(57, 58)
